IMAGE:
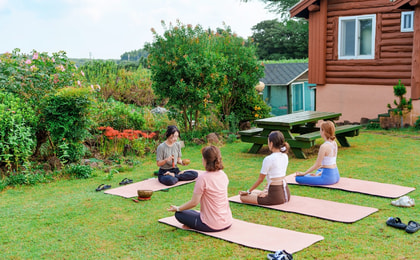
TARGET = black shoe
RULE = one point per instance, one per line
(412, 227)
(126, 181)
(103, 187)
(396, 223)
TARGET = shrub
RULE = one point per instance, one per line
(66, 117)
(17, 138)
(79, 171)
(118, 115)
(131, 86)
(417, 123)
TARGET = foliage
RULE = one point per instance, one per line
(139, 56)
(17, 139)
(403, 106)
(128, 85)
(281, 40)
(241, 72)
(193, 67)
(65, 116)
(79, 171)
(117, 115)
(125, 143)
(35, 77)
(417, 123)
(252, 108)
(184, 69)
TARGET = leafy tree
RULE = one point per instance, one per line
(184, 69)
(281, 40)
(241, 73)
(191, 67)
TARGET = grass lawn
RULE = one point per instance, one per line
(68, 219)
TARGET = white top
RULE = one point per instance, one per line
(331, 160)
(274, 166)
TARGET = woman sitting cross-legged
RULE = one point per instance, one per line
(273, 169)
(168, 156)
(326, 163)
(211, 192)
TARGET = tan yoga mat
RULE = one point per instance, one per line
(130, 190)
(258, 236)
(366, 187)
(325, 209)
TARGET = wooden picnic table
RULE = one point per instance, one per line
(299, 130)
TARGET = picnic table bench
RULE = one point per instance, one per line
(299, 130)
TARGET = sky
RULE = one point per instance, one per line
(105, 29)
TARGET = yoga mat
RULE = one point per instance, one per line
(258, 236)
(325, 209)
(366, 187)
(130, 190)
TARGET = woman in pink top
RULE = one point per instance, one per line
(210, 191)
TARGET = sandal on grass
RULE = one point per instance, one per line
(103, 187)
(412, 227)
(126, 181)
(396, 223)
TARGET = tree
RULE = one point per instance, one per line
(281, 40)
(191, 66)
(241, 73)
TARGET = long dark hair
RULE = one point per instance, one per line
(213, 158)
(278, 141)
(172, 129)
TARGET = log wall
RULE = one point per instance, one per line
(393, 49)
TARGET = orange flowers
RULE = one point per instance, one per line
(129, 134)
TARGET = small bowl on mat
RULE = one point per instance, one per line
(144, 194)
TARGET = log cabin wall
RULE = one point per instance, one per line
(393, 48)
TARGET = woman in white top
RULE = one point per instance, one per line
(326, 163)
(273, 169)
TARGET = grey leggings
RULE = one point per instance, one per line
(191, 218)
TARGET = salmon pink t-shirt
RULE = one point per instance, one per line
(214, 204)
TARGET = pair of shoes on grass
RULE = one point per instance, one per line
(404, 201)
(396, 223)
(280, 255)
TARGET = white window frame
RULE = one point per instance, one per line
(410, 28)
(357, 51)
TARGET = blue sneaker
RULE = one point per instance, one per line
(280, 255)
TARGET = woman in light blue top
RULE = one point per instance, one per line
(326, 163)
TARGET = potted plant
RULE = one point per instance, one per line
(403, 106)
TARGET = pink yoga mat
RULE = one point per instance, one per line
(366, 187)
(130, 190)
(325, 209)
(258, 236)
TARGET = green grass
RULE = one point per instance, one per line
(67, 219)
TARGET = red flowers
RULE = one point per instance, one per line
(129, 134)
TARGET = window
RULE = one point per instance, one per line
(303, 97)
(356, 38)
(407, 21)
